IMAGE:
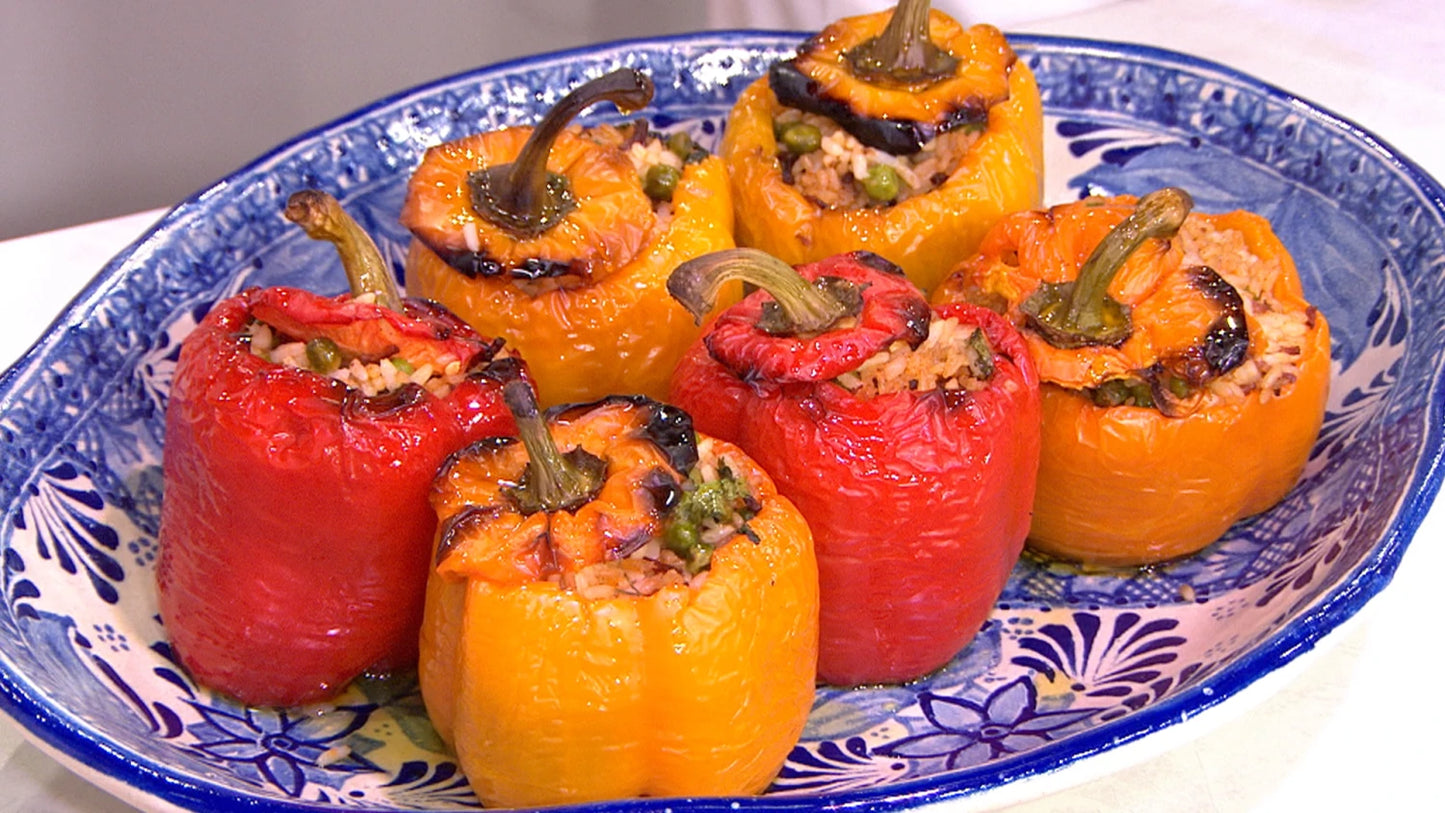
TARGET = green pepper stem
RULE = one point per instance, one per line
(806, 307)
(903, 53)
(1081, 312)
(322, 217)
(522, 197)
(1158, 214)
(553, 481)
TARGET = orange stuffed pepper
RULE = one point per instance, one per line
(903, 133)
(619, 607)
(1185, 374)
(560, 239)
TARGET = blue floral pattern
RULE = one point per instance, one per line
(1071, 662)
(287, 750)
(964, 734)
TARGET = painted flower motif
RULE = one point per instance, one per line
(832, 766)
(67, 514)
(282, 748)
(1124, 658)
(966, 734)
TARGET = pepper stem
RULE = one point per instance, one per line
(553, 481)
(802, 306)
(1081, 313)
(903, 53)
(523, 197)
(322, 217)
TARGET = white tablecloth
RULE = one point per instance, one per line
(1349, 725)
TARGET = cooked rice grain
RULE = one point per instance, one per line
(651, 566)
(1269, 370)
(950, 358)
(369, 379)
(832, 176)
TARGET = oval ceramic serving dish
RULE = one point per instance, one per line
(1071, 665)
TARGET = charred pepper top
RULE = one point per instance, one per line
(494, 205)
(897, 88)
(1131, 323)
(640, 487)
(803, 330)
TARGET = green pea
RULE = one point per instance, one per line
(1118, 391)
(682, 537)
(801, 138)
(1111, 393)
(882, 183)
(661, 181)
(682, 145)
(323, 355)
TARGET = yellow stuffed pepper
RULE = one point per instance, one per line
(560, 239)
(903, 133)
(1184, 373)
(619, 607)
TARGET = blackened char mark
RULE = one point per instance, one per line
(1227, 342)
(473, 264)
(894, 136)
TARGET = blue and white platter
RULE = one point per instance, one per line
(1072, 665)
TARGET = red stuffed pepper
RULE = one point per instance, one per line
(302, 436)
(907, 436)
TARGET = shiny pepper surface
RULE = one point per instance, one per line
(551, 692)
(584, 296)
(295, 530)
(1132, 483)
(925, 234)
(918, 501)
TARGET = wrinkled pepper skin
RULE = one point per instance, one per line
(1128, 485)
(613, 328)
(295, 530)
(926, 234)
(548, 697)
(919, 502)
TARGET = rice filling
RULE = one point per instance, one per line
(706, 511)
(953, 358)
(843, 173)
(1271, 369)
(370, 377)
(1268, 369)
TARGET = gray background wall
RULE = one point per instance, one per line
(114, 106)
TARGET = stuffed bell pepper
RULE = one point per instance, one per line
(619, 607)
(902, 133)
(559, 240)
(1185, 374)
(302, 436)
(907, 436)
